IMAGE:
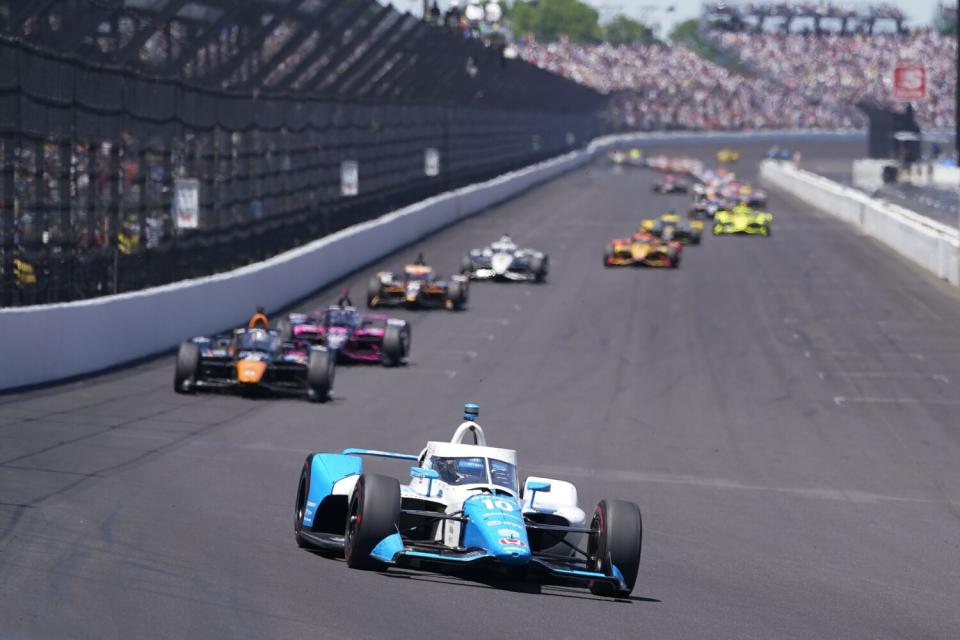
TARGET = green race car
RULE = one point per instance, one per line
(742, 220)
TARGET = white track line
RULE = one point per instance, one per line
(842, 400)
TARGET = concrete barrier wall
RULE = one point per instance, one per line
(51, 342)
(926, 242)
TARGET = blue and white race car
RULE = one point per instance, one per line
(504, 260)
(463, 507)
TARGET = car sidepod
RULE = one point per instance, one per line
(324, 505)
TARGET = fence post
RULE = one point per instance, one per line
(66, 239)
(9, 218)
(92, 273)
(113, 214)
(41, 207)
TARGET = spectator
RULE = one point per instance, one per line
(843, 70)
(798, 81)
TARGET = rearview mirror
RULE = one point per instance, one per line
(420, 472)
(538, 486)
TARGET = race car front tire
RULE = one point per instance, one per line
(372, 515)
(617, 540)
(188, 362)
(466, 265)
(395, 346)
(320, 374)
(539, 266)
(374, 290)
(303, 490)
(457, 294)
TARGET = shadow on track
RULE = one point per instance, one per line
(493, 581)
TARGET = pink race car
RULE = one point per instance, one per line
(353, 336)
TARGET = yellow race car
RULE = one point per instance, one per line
(642, 250)
(727, 155)
(742, 220)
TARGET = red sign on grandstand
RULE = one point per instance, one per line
(909, 82)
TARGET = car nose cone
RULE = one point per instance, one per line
(250, 371)
(501, 262)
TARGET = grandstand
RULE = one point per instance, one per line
(774, 72)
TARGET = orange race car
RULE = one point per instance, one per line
(417, 287)
(642, 249)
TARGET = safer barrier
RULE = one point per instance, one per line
(44, 343)
(926, 242)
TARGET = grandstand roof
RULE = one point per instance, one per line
(345, 49)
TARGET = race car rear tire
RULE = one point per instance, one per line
(539, 266)
(466, 265)
(188, 362)
(396, 345)
(457, 294)
(617, 541)
(320, 373)
(374, 291)
(303, 490)
(768, 232)
(285, 329)
(372, 515)
(695, 238)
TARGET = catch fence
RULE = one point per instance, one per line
(148, 141)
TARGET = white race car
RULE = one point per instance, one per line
(504, 260)
(464, 507)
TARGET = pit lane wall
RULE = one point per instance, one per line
(926, 242)
(46, 343)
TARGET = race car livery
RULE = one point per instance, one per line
(727, 155)
(252, 360)
(642, 250)
(707, 204)
(670, 226)
(750, 196)
(464, 507)
(417, 287)
(504, 260)
(743, 220)
(671, 184)
(352, 336)
(631, 157)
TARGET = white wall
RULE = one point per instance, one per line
(926, 242)
(50, 342)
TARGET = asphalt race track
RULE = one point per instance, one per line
(784, 410)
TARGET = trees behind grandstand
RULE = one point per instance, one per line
(624, 30)
(548, 20)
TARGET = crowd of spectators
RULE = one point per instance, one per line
(843, 70)
(789, 80)
(662, 86)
